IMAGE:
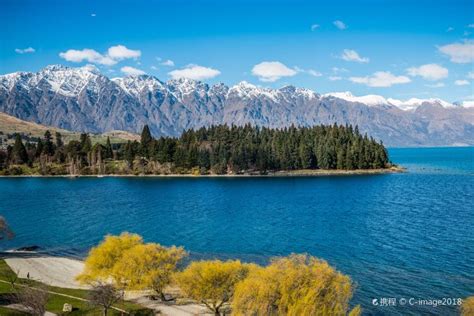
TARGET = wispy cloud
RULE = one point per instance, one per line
(168, 63)
(310, 72)
(113, 55)
(271, 71)
(470, 75)
(431, 72)
(381, 79)
(314, 27)
(461, 82)
(27, 50)
(335, 78)
(435, 85)
(195, 72)
(461, 53)
(131, 71)
(352, 55)
(314, 73)
(337, 70)
(450, 29)
(340, 25)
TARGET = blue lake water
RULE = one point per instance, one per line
(397, 235)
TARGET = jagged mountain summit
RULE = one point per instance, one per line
(82, 99)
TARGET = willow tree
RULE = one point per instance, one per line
(212, 282)
(100, 262)
(295, 285)
(148, 266)
(467, 307)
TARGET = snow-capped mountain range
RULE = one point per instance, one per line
(82, 99)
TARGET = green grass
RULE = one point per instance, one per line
(11, 312)
(56, 302)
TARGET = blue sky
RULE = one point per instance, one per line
(399, 49)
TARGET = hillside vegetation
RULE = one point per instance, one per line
(30, 131)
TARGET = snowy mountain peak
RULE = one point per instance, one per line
(135, 85)
(468, 104)
(414, 103)
(247, 90)
(370, 100)
(55, 67)
(82, 99)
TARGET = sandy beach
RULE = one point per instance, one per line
(61, 272)
(55, 271)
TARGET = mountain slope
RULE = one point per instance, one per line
(10, 125)
(82, 99)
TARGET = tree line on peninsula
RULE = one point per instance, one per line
(217, 149)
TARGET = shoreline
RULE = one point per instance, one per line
(289, 173)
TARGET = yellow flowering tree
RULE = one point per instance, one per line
(100, 262)
(294, 285)
(467, 307)
(147, 266)
(212, 282)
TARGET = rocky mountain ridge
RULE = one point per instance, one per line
(82, 99)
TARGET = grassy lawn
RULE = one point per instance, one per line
(10, 312)
(56, 302)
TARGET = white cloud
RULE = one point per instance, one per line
(435, 85)
(25, 50)
(470, 75)
(87, 54)
(461, 53)
(168, 63)
(154, 68)
(381, 79)
(335, 78)
(461, 82)
(340, 25)
(121, 52)
(114, 55)
(270, 71)
(450, 29)
(352, 55)
(311, 72)
(131, 71)
(431, 72)
(93, 15)
(195, 72)
(314, 27)
(314, 73)
(339, 70)
(471, 25)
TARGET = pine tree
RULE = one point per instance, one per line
(86, 144)
(145, 141)
(59, 140)
(109, 153)
(48, 148)
(19, 154)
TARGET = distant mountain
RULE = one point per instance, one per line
(82, 99)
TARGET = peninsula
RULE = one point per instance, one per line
(209, 151)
